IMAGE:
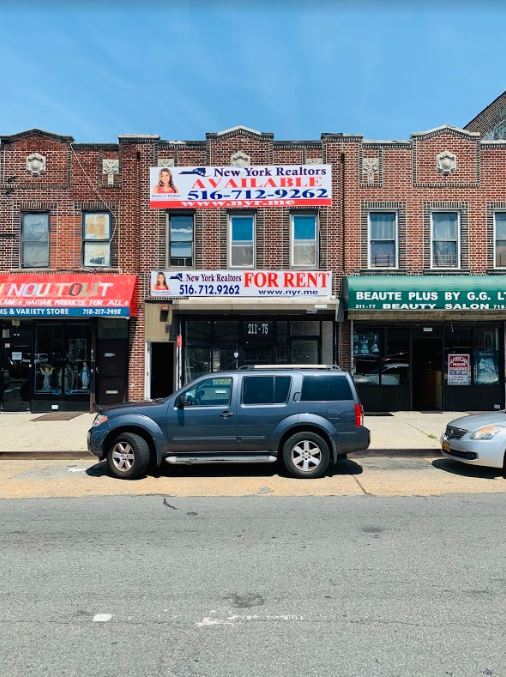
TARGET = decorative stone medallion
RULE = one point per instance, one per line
(446, 162)
(36, 164)
(240, 159)
(370, 167)
(167, 162)
(110, 168)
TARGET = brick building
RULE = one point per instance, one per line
(415, 242)
(65, 298)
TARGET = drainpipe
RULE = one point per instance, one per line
(343, 230)
(343, 258)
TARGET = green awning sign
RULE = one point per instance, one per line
(425, 293)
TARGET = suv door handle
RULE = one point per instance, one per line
(226, 414)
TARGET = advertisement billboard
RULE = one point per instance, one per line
(226, 187)
(67, 295)
(241, 283)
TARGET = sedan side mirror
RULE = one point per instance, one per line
(182, 402)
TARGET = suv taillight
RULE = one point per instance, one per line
(359, 415)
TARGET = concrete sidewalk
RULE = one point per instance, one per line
(21, 435)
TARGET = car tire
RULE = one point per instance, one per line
(128, 456)
(306, 455)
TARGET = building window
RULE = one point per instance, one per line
(180, 240)
(500, 239)
(445, 237)
(382, 240)
(97, 240)
(35, 241)
(242, 241)
(304, 241)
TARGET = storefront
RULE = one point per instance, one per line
(64, 340)
(427, 342)
(216, 331)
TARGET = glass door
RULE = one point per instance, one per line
(17, 363)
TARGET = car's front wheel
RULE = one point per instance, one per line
(306, 454)
(128, 456)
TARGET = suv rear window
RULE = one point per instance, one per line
(325, 388)
(265, 389)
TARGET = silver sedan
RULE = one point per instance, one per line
(479, 439)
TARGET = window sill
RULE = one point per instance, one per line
(99, 269)
(33, 270)
(447, 271)
(382, 271)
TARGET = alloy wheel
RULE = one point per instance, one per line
(123, 456)
(306, 456)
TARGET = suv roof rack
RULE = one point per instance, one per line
(270, 367)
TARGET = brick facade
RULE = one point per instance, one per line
(401, 176)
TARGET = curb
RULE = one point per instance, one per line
(85, 455)
(401, 453)
(47, 455)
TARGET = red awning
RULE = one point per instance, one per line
(67, 295)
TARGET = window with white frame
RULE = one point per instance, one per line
(500, 239)
(242, 241)
(180, 240)
(97, 240)
(445, 240)
(304, 241)
(382, 239)
(35, 240)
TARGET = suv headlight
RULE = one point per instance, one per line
(488, 432)
(99, 419)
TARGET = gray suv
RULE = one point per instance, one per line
(308, 416)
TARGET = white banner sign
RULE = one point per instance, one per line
(257, 186)
(241, 283)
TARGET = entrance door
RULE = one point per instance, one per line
(17, 366)
(427, 374)
(112, 371)
(162, 370)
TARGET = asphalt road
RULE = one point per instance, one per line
(154, 585)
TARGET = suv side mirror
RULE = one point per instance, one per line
(181, 402)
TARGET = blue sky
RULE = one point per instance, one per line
(295, 68)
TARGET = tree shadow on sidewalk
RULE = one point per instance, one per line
(464, 470)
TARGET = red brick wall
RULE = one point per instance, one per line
(407, 180)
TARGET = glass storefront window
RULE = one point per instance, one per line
(310, 328)
(198, 331)
(213, 345)
(226, 332)
(197, 362)
(305, 351)
(367, 343)
(62, 359)
(486, 356)
(381, 356)
(395, 368)
(225, 358)
(458, 341)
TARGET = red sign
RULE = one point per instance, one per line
(67, 295)
(459, 369)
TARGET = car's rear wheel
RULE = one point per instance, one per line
(306, 455)
(128, 456)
